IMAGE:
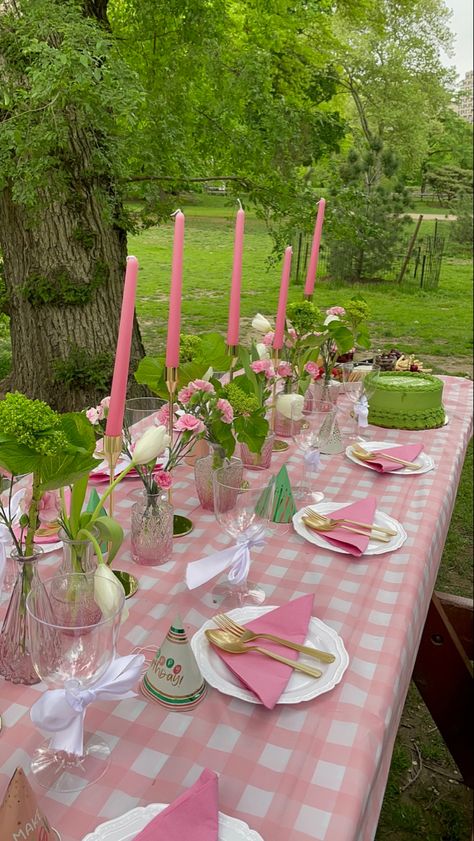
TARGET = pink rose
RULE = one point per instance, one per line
(202, 385)
(48, 506)
(284, 369)
(336, 311)
(163, 479)
(268, 338)
(226, 409)
(163, 415)
(261, 366)
(105, 403)
(314, 370)
(292, 336)
(93, 415)
(188, 423)
(185, 394)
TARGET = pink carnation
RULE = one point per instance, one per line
(163, 415)
(336, 311)
(105, 403)
(314, 370)
(292, 336)
(163, 479)
(188, 423)
(261, 366)
(268, 338)
(202, 385)
(93, 415)
(284, 369)
(185, 394)
(226, 409)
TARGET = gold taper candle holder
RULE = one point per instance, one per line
(112, 450)
(308, 296)
(181, 525)
(278, 445)
(233, 351)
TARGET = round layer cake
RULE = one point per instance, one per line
(407, 400)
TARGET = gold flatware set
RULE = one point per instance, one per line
(363, 455)
(321, 523)
(233, 638)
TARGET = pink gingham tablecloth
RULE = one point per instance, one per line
(315, 770)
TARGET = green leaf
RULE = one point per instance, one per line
(151, 371)
(110, 532)
(222, 433)
(17, 459)
(213, 352)
(78, 495)
(64, 469)
(79, 432)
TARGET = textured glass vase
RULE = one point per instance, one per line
(204, 474)
(15, 657)
(152, 530)
(78, 556)
(261, 460)
(326, 393)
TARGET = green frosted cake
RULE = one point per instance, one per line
(406, 400)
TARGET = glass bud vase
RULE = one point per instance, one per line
(15, 658)
(261, 460)
(204, 469)
(326, 393)
(152, 530)
(78, 556)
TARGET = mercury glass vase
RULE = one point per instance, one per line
(261, 460)
(15, 658)
(152, 530)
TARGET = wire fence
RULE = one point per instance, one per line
(339, 262)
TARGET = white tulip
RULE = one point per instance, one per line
(152, 443)
(262, 350)
(261, 324)
(290, 406)
(108, 592)
(209, 373)
(330, 318)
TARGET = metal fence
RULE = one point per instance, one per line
(338, 261)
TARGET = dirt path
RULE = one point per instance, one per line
(432, 217)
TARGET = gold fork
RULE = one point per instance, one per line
(309, 512)
(245, 635)
(322, 524)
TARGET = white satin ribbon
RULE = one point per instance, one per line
(312, 459)
(362, 411)
(61, 711)
(237, 557)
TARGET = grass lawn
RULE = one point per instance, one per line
(437, 327)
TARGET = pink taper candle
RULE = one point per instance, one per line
(174, 317)
(313, 260)
(234, 305)
(122, 354)
(281, 313)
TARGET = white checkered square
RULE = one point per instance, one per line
(314, 822)
(130, 709)
(328, 775)
(387, 596)
(353, 695)
(379, 618)
(117, 804)
(175, 724)
(149, 762)
(255, 801)
(371, 642)
(275, 757)
(13, 713)
(342, 733)
(224, 738)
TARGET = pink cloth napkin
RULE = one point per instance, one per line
(192, 817)
(266, 677)
(40, 539)
(363, 512)
(409, 452)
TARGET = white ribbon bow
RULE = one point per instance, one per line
(312, 458)
(237, 557)
(362, 411)
(62, 711)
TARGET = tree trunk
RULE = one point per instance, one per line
(64, 274)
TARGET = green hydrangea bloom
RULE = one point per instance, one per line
(241, 402)
(304, 316)
(189, 347)
(32, 423)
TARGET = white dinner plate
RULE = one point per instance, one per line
(127, 826)
(300, 687)
(16, 513)
(374, 547)
(426, 462)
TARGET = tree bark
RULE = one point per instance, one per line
(73, 240)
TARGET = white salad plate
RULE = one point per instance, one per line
(374, 546)
(126, 827)
(426, 462)
(300, 687)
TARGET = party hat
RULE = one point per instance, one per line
(283, 503)
(20, 816)
(173, 678)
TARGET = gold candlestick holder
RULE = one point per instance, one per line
(233, 351)
(181, 525)
(308, 297)
(279, 446)
(112, 450)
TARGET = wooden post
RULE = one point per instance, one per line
(410, 249)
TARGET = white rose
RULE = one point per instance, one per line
(290, 406)
(261, 324)
(152, 443)
(262, 350)
(108, 592)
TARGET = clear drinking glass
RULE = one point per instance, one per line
(140, 414)
(72, 643)
(243, 509)
(312, 428)
(358, 391)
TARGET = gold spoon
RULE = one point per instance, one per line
(244, 635)
(364, 455)
(318, 525)
(334, 521)
(228, 643)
